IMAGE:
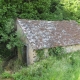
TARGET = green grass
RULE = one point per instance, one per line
(66, 67)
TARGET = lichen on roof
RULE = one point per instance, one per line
(47, 34)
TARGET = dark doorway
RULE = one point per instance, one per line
(24, 57)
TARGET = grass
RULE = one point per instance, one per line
(66, 67)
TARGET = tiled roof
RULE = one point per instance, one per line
(47, 34)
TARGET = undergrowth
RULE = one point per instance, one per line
(1, 69)
(52, 68)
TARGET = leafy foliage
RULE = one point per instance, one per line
(33, 9)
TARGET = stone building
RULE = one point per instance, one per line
(41, 34)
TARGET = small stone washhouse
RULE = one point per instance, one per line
(41, 34)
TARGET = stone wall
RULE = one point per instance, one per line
(31, 54)
(72, 48)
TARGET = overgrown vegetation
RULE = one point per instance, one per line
(55, 51)
(1, 69)
(66, 68)
(32, 9)
(40, 54)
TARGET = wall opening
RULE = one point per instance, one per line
(24, 57)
